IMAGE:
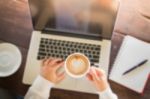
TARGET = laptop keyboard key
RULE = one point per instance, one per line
(61, 49)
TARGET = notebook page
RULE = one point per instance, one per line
(131, 53)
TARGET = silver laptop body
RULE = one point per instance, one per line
(62, 27)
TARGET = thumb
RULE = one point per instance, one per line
(60, 77)
(59, 65)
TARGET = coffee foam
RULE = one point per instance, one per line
(77, 64)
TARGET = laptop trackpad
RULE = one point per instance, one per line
(68, 83)
(85, 85)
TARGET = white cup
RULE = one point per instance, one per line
(77, 62)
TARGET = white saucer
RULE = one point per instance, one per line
(10, 59)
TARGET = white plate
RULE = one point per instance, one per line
(10, 59)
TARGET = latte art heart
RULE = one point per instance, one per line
(77, 64)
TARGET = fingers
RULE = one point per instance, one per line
(46, 61)
(94, 74)
(89, 77)
(99, 72)
(50, 61)
(43, 62)
(59, 65)
(60, 77)
(55, 61)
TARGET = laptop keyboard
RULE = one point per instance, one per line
(61, 49)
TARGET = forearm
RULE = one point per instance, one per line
(107, 94)
(40, 89)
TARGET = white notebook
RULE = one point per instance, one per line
(132, 52)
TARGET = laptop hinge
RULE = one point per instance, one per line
(71, 34)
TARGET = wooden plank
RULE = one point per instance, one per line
(130, 19)
(15, 22)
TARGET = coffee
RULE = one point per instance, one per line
(77, 64)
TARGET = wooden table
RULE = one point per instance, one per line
(16, 28)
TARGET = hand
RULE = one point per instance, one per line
(98, 78)
(49, 70)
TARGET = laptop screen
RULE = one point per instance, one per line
(86, 17)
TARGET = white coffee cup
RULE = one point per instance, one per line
(77, 65)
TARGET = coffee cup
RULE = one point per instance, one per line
(77, 65)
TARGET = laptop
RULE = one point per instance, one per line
(63, 27)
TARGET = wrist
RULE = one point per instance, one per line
(103, 86)
(40, 80)
(47, 79)
(105, 90)
(107, 94)
(42, 86)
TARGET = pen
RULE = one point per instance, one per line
(136, 66)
